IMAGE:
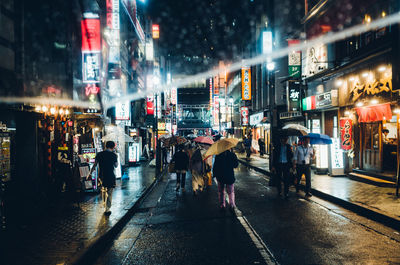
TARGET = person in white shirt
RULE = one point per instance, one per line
(302, 158)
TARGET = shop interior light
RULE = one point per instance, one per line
(67, 112)
(383, 14)
(339, 82)
(352, 79)
(365, 74)
(38, 108)
(359, 104)
(44, 108)
(347, 113)
(382, 68)
(374, 102)
(61, 111)
(52, 110)
(397, 111)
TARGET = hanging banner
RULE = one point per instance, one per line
(346, 133)
(246, 83)
(244, 114)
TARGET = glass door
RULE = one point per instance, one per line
(372, 146)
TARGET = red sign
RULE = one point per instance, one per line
(150, 105)
(91, 89)
(244, 113)
(156, 31)
(346, 133)
(90, 34)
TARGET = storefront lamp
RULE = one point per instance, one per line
(38, 108)
(44, 108)
(339, 83)
(347, 113)
(359, 104)
(66, 112)
(61, 111)
(365, 74)
(397, 111)
(382, 68)
(374, 102)
(52, 110)
(383, 14)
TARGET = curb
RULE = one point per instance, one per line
(360, 210)
(88, 254)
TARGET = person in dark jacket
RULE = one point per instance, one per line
(181, 160)
(107, 161)
(223, 170)
(281, 164)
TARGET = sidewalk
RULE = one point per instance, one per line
(62, 236)
(377, 203)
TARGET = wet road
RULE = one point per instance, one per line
(184, 229)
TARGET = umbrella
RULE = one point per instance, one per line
(204, 140)
(180, 140)
(165, 136)
(316, 138)
(221, 146)
(117, 137)
(294, 130)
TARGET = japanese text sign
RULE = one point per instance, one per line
(346, 133)
(246, 83)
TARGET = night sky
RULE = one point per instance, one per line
(196, 34)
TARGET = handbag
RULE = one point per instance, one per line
(171, 167)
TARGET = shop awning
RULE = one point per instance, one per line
(374, 113)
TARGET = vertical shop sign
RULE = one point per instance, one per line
(156, 31)
(150, 105)
(346, 133)
(294, 96)
(244, 114)
(122, 111)
(90, 26)
(294, 61)
(246, 83)
(91, 67)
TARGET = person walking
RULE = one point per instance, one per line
(181, 160)
(261, 146)
(281, 164)
(303, 156)
(224, 164)
(107, 161)
(197, 167)
(247, 147)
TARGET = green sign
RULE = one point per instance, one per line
(295, 71)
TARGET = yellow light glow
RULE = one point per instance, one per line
(374, 101)
(347, 113)
(382, 68)
(359, 104)
(52, 110)
(352, 79)
(44, 108)
(38, 108)
(67, 112)
(383, 14)
(61, 111)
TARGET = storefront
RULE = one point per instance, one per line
(371, 103)
(322, 117)
(260, 129)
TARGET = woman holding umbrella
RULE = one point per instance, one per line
(181, 160)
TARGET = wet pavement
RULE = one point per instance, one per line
(187, 229)
(59, 235)
(380, 199)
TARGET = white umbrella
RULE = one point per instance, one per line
(295, 127)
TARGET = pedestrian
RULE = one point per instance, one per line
(164, 150)
(181, 160)
(281, 164)
(261, 145)
(107, 161)
(224, 164)
(197, 167)
(303, 156)
(247, 147)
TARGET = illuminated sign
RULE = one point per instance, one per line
(91, 67)
(336, 154)
(91, 89)
(316, 60)
(320, 101)
(246, 83)
(122, 111)
(244, 114)
(293, 90)
(156, 31)
(346, 133)
(294, 60)
(90, 33)
(174, 95)
(256, 118)
(150, 105)
(266, 42)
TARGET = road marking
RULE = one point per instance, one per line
(260, 245)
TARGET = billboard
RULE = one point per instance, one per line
(90, 33)
(246, 83)
(150, 105)
(91, 67)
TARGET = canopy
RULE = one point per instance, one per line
(374, 113)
